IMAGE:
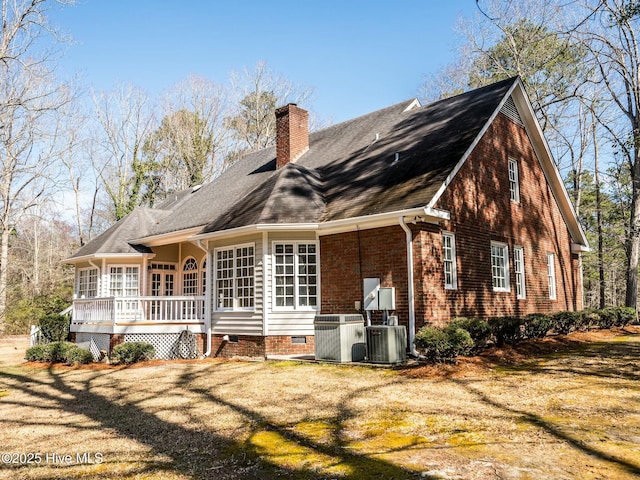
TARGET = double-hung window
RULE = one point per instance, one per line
(449, 261)
(296, 275)
(87, 283)
(518, 267)
(514, 186)
(124, 281)
(500, 267)
(235, 277)
(551, 275)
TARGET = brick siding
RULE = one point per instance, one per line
(481, 212)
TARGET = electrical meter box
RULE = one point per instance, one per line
(387, 298)
(371, 287)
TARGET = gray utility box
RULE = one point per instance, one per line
(339, 338)
(386, 344)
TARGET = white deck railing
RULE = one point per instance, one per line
(137, 310)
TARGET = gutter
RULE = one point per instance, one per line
(411, 288)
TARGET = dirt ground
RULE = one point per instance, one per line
(562, 408)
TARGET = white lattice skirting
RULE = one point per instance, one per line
(94, 342)
(169, 345)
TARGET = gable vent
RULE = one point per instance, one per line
(511, 111)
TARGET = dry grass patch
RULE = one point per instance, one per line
(565, 408)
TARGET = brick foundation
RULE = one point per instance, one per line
(259, 346)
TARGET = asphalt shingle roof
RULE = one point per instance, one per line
(388, 160)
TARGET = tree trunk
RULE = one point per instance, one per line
(631, 296)
(4, 274)
(601, 278)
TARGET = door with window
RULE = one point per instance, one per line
(162, 284)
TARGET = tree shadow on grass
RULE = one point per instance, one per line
(615, 359)
(334, 452)
(191, 450)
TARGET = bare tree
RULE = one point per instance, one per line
(609, 32)
(125, 119)
(257, 94)
(30, 103)
(189, 146)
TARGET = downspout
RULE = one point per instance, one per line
(207, 298)
(411, 289)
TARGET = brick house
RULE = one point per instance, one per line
(457, 204)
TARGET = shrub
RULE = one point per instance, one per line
(616, 316)
(443, 344)
(58, 352)
(567, 322)
(54, 328)
(509, 330)
(132, 352)
(591, 319)
(35, 353)
(537, 325)
(77, 355)
(479, 330)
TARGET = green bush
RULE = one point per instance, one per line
(567, 322)
(132, 352)
(59, 352)
(537, 325)
(35, 353)
(479, 330)
(77, 355)
(443, 344)
(507, 330)
(54, 327)
(616, 316)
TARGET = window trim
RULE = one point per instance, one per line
(194, 271)
(551, 275)
(214, 284)
(296, 307)
(505, 257)
(124, 267)
(87, 289)
(453, 285)
(514, 180)
(519, 270)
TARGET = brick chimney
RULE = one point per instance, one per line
(292, 134)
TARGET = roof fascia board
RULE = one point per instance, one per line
(108, 256)
(473, 145)
(425, 214)
(545, 158)
(167, 238)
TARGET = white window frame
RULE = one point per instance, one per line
(235, 287)
(519, 271)
(514, 181)
(449, 261)
(84, 283)
(503, 255)
(297, 276)
(551, 275)
(124, 289)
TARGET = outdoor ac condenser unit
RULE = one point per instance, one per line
(386, 344)
(339, 338)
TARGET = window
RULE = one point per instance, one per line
(123, 281)
(551, 275)
(190, 277)
(514, 187)
(449, 260)
(87, 283)
(518, 266)
(204, 277)
(235, 277)
(500, 267)
(296, 275)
